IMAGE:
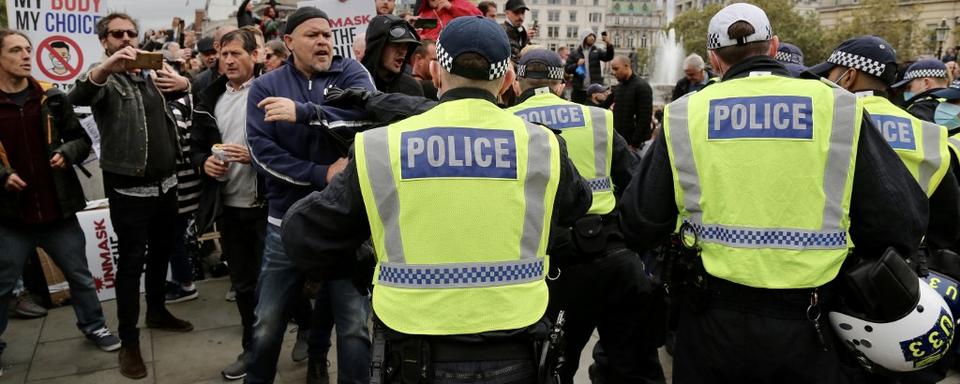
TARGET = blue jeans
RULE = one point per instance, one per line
(181, 267)
(63, 240)
(280, 280)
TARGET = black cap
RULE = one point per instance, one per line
(398, 30)
(869, 54)
(923, 68)
(552, 61)
(474, 34)
(595, 88)
(515, 5)
(205, 45)
(301, 15)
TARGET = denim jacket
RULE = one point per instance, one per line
(119, 112)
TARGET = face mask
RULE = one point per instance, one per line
(947, 115)
(840, 79)
(907, 95)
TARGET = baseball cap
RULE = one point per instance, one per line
(717, 36)
(301, 15)
(515, 5)
(398, 30)
(923, 68)
(594, 88)
(868, 54)
(474, 34)
(789, 54)
(552, 61)
(951, 92)
(205, 45)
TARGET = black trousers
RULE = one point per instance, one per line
(141, 222)
(242, 235)
(735, 336)
(613, 295)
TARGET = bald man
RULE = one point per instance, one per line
(634, 104)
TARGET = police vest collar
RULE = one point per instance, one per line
(755, 64)
(467, 93)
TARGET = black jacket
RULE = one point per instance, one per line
(377, 38)
(204, 133)
(887, 206)
(518, 39)
(595, 55)
(321, 231)
(245, 18)
(924, 105)
(683, 86)
(633, 110)
(63, 134)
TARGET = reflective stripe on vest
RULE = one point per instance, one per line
(954, 143)
(762, 170)
(900, 129)
(459, 201)
(566, 117)
(397, 273)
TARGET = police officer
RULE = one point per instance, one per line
(608, 290)
(791, 57)
(920, 81)
(460, 202)
(772, 173)
(867, 65)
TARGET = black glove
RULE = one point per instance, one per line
(353, 97)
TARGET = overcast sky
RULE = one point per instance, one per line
(153, 14)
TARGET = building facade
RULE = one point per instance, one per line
(634, 27)
(930, 14)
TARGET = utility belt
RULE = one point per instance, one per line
(410, 359)
(594, 235)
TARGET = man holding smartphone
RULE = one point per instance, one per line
(138, 158)
(519, 36)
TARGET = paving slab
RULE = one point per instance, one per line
(107, 376)
(79, 356)
(21, 337)
(15, 374)
(209, 311)
(195, 356)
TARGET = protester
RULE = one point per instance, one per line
(205, 78)
(391, 42)
(423, 55)
(245, 15)
(599, 96)
(519, 36)
(40, 142)
(143, 204)
(295, 159)
(695, 76)
(275, 56)
(385, 7)
(231, 190)
(270, 24)
(584, 64)
(261, 44)
(634, 104)
(182, 268)
(359, 46)
(443, 11)
(488, 9)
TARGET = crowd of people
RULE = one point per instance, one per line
(421, 186)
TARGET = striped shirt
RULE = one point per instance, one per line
(188, 178)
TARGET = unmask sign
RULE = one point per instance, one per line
(63, 33)
(348, 18)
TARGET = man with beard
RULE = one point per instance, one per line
(584, 63)
(390, 44)
(385, 7)
(138, 157)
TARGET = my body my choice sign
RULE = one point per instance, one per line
(63, 33)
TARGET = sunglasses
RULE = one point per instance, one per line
(269, 56)
(118, 33)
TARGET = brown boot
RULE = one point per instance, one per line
(131, 363)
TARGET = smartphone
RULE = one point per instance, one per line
(425, 23)
(147, 60)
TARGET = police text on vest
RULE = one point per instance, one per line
(898, 131)
(768, 117)
(555, 116)
(458, 152)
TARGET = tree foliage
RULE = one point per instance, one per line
(800, 29)
(899, 27)
(3, 14)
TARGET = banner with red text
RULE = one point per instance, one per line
(348, 18)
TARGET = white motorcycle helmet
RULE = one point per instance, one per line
(910, 343)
